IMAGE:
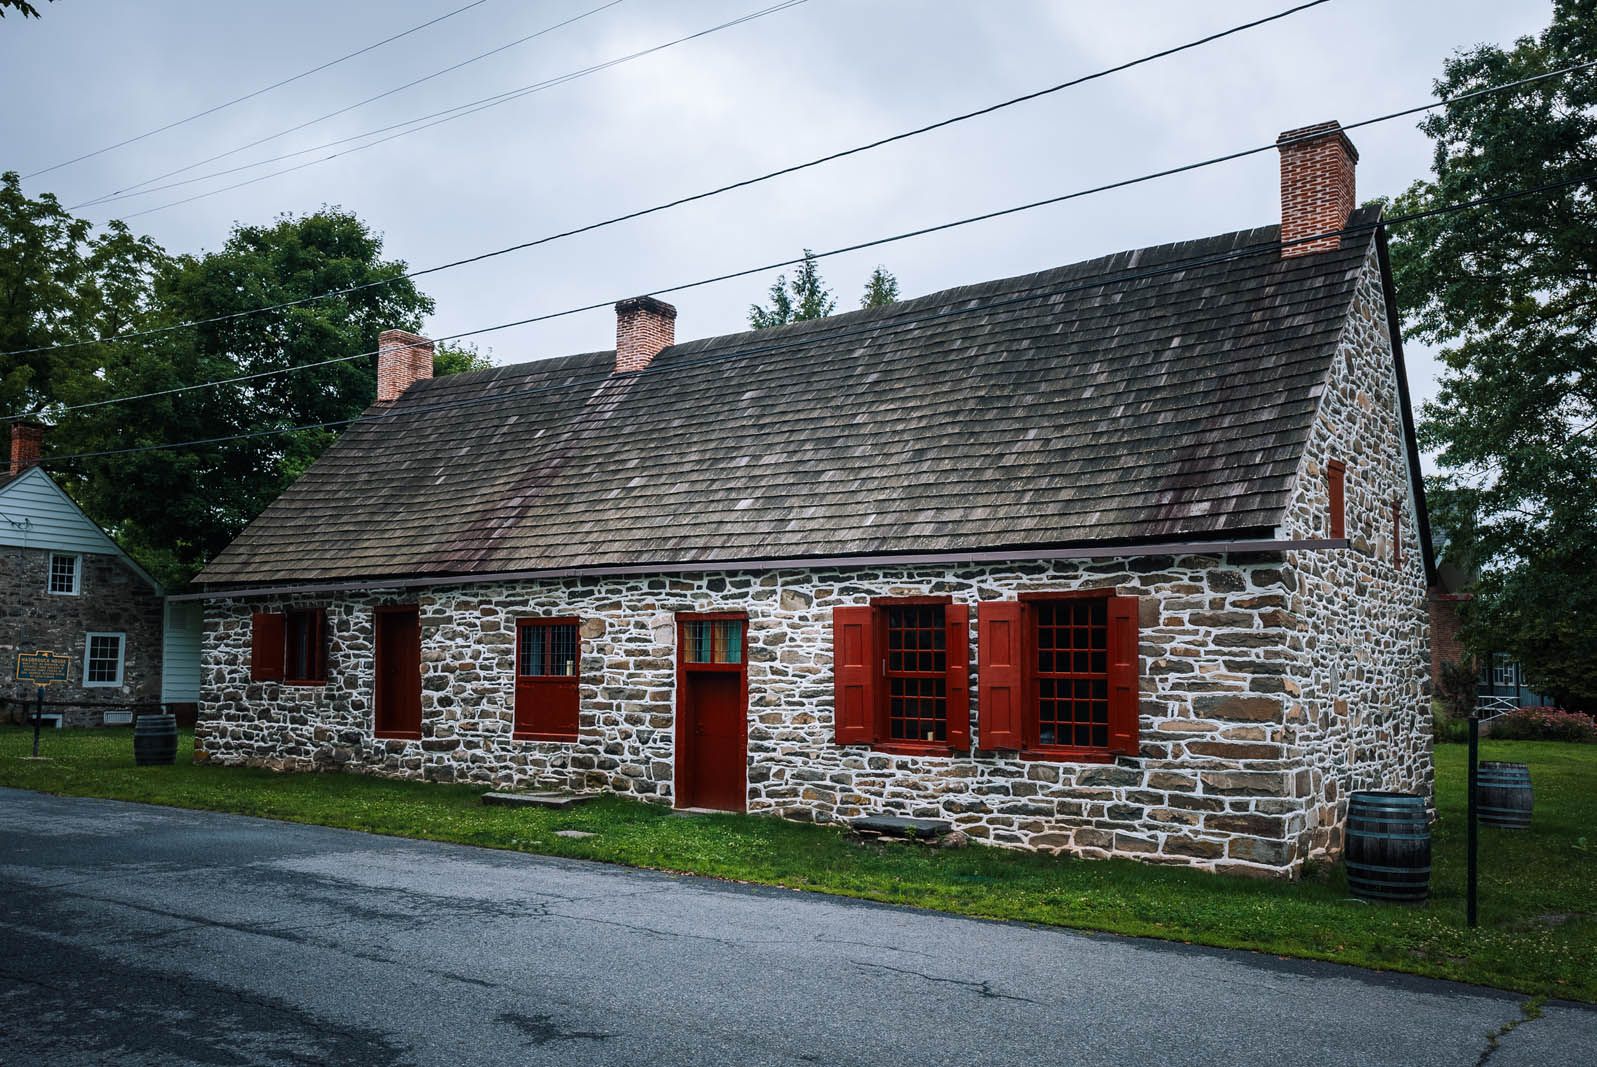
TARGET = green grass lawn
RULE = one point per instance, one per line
(1538, 915)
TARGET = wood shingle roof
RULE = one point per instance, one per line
(1135, 397)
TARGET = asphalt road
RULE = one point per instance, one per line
(141, 935)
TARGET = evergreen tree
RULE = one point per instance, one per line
(881, 289)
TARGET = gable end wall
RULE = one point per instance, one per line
(1363, 718)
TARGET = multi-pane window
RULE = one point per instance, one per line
(548, 665)
(102, 659)
(546, 650)
(1072, 672)
(1505, 671)
(901, 675)
(1059, 675)
(64, 573)
(713, 640)
(916, 671)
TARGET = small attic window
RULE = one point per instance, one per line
(1335, 479)
(66, 573)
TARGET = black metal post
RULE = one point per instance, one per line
(38, 720)
(1474, 768)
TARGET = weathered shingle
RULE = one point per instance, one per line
(1005, 414)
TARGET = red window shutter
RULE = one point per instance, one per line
(957, 617)
(1124, 666)
(1000, 671)
(1397, 533)
(318, 663)
(266, 647)
(855, 673)
(1335, 476)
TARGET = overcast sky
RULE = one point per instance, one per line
(801, 82)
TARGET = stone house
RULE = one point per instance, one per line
(1122, 558)
(69, 589)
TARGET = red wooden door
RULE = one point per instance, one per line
(714, 725)
(398, 673)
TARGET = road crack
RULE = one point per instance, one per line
(1531, 1009)
(983, 989)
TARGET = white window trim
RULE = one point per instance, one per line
(77, 574)
(121, 657)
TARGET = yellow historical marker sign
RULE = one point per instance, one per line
(42, 668)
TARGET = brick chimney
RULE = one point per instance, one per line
(403, 359)
(1317, 196)
(645, 327)
(26, 439)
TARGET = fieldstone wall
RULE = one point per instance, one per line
(1214, 785)
(1361, 717)
(113, 599)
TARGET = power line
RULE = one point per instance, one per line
(460, 111)
(859, 246)
(1039, 294)
(686, 199)
(138, 190)
(258, 92)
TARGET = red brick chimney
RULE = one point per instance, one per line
(645, 327)
(26, 438)
(403, 359)
(1317, 196)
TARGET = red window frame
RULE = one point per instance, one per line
(305, 646)
(289, 646)
(547, 706)
(1336, 488)
(686, 664)
(1013, 686)
(1397, 532)
(863, 677)
(405, 721)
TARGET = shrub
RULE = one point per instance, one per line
(1544, 724)
(1446, 728)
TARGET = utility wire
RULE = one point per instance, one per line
(257, 92)
(682, 200)
(499, 98)
(138, 190)
(1242, 153)
(457, 112)
(859, 246)
(873, 327)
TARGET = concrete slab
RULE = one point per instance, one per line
(537, 800)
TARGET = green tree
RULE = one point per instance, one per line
(60, 282)
(1510, 293)
(881, 289)
(22, 7)
(176, 508)
(809, 299)
(451, 357)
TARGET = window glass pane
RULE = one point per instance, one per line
(563, 650)
(1072, 671)
(917, 673)
(713, 640)
(299, 631)
(105, 658)
(548, 650)
(63, 574)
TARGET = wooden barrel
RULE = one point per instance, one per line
(1504, 797)
(155, 740)
(1388, 853)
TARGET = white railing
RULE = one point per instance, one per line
(1490, 707)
